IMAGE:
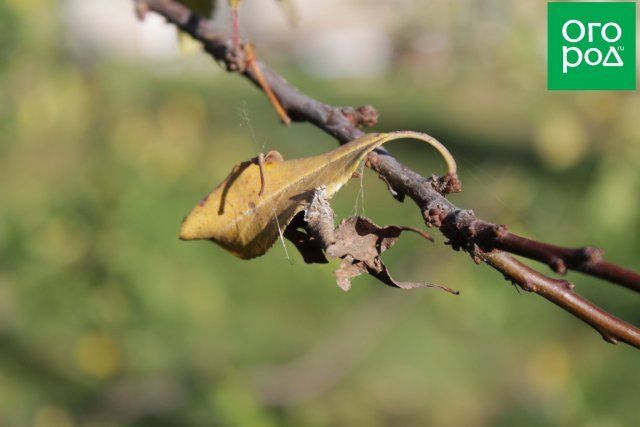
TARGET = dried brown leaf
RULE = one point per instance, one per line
(311, 250)
(359, 243)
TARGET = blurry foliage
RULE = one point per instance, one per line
(9, 38)
(106, 319)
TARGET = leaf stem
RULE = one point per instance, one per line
(452, 167)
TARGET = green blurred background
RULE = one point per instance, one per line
(107, 319)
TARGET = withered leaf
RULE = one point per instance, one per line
(310, 249)
(359, 243)
(237, 218)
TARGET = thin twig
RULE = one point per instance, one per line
(588, 260)
(252, 63)
(560, 293)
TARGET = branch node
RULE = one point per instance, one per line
(236, 60)
(457, 226)
(363, 116)
(591, 254)
(558, 265)
(434, 217)
(567, 285)
(448, 184)
(498, 231)
(475, 253)
(527, 286)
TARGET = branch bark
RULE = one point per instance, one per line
(588, 260)
(484, 241)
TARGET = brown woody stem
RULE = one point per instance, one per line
(588, 260)
(254, 66)
(560, 293)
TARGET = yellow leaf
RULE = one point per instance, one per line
(237, 218)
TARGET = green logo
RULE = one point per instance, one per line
(591, 46)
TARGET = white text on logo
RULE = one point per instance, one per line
(573, 56)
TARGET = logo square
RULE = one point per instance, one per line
(591, 45)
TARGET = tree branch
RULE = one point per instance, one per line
(486, 242)
(588, 260)
(560, 293)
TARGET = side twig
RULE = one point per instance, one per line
(588, 260)
(560, 293)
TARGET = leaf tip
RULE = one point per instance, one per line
(190, 229)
